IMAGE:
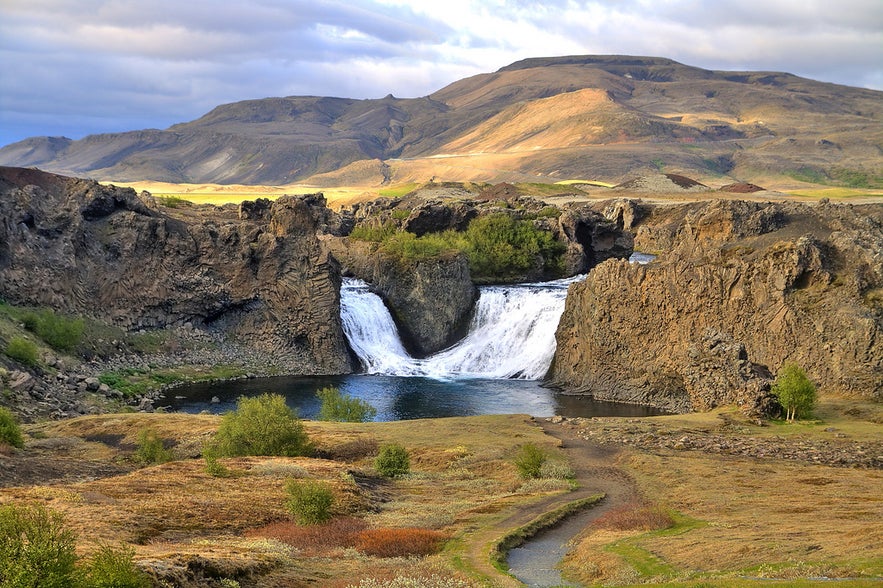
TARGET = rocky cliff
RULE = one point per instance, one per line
(259, 275)
(738, 289)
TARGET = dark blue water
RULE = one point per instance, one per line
(403, 398)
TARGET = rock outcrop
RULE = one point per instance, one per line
(260, 275)
(738, 289)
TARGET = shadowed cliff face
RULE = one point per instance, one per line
(738, 289)
(80, 247)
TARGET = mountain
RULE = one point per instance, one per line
(543, 119)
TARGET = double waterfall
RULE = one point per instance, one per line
(512, 333)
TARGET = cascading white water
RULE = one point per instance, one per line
(512, 334)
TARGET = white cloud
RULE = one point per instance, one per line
(126, 63)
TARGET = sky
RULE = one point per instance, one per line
(78, 67)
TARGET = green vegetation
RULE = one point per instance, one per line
(518, 536)
(10, 432)
(112, 568)
(795, 391)
(172, 201)
(151, 449)
(309, 501)
(213, 467)
(644, 561)
(392, 461)
(59, 332)
(22, 350)
(500, 246)
(529, 461)
(397, 191)
(35, 548)
(497, 246)
(849, 178)
(263, 425)
(340, 407)
(134, 381)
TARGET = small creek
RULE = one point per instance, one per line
(534, 563)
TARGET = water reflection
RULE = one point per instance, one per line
(403, 398)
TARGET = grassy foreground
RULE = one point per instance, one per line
(731, 521)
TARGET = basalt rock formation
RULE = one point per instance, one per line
(432, 300)
(738, 289)
(260, 275)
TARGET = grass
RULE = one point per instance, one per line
(132, 381)
(518, 536)
(586, 182)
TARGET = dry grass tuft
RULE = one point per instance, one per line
(399, 542)
(635, 517)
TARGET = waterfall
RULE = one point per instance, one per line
(512, 333)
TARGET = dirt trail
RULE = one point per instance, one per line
(594, 466)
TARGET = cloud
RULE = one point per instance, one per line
(81, 66)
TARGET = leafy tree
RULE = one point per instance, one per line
(392, 461)
(337, 406)
(795, 391)
(10, 432)
(35, 548)
(263, 425)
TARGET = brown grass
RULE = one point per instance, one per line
(314, 540)
(634, 517)
(399, 542)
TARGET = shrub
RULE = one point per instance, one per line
(60, 332)
(337, 406)
(35, 548)
(263, 425)
(151, 449)
(399, 542)
(314, 539)
(530, 460)
(10, 432)
(409, 247)
(215, 468)
(309, 501)
(375, 234)
(22, 350)
(110, 568)
(392, 461)
(500, 246)
(795, 391)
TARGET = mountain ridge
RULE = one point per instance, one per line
(659, 113)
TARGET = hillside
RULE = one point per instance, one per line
(606, 117)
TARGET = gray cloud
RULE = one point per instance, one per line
(74, 67)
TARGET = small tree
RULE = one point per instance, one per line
(392, 461)
(337, 406)
(35, 548)
(795, 391)
(309, 501)
(263, 425)
(10, 433)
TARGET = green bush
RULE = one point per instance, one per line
(10, 432)
(409, 247)
(500, 246)
(392, 461)
(150, 449)
(337, 406)
(263, 425)
(375, 234)
(59, 332)
(110, 568)
(213, 467)
(530, 460)
(309, 501)
(795, 391)
(35, 548)
(22, 350)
